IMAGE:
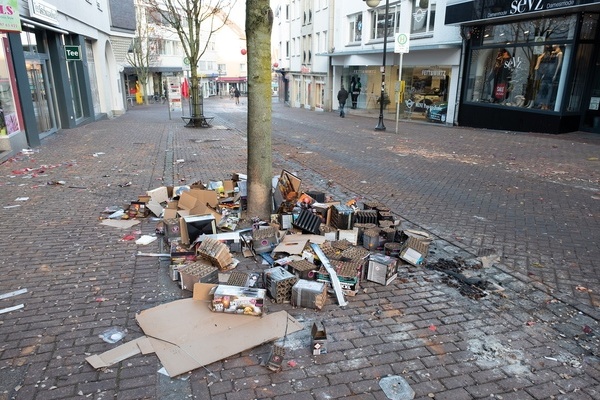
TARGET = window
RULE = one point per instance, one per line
(423, 16)
(287, 49)
(521, 64)
(243, 67)
(355, 28)
(222, 69)
(382, 27)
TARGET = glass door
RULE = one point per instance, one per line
(591, 112)
(41, 96)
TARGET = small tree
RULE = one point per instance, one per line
(194, 21)
(142, 52)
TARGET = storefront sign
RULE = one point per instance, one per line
(73, 53)
(41, 10)
(9, 16)
(475, 10)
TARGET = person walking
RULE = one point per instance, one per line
(236, 94)
(342, 97)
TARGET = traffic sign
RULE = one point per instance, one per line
(401, 44)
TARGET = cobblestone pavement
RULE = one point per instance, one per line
(532, 200)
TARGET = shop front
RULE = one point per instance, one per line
(530, 68)
(421, 92)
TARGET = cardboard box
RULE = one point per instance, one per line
(382, 269)
(264, 239)
(415, 246)
(238, 300)
(279, 282)
(319, 339)
(216, 252)
(181, 253)
(200, 271)
(309, 294)
(172, 228)
(193, 226)
(303, 269)
(287, 192)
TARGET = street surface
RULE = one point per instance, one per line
(527, 204)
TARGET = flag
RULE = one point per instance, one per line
(185, 89)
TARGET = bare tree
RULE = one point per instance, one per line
(194, 21)
(259, 22)
(142, 52)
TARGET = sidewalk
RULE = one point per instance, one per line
(525, 342)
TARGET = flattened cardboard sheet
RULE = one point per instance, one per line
(186, 335)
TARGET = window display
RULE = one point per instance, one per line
(520, 64)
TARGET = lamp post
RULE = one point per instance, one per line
(374, 3)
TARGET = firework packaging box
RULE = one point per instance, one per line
(382, 269)
(319, 339)
(278, 282)
(238, 300)
(415, 245)
(309, 294)
(200, 271)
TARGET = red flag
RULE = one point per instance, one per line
(185, 89)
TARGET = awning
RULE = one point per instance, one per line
(131, 70)
(232, 79)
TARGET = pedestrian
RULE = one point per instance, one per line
(356, 87)
(342, 97)
(236, 93)
(231, 92)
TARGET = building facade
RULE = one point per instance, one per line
(326, 44)
(53, 57)
(529, 65)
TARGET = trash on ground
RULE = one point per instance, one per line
(396, 388)
(113, 335)
(146, 239)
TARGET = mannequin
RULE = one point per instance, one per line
(500, 77)
(548, 71)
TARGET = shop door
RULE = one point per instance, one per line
(591, 115)
(37, 73)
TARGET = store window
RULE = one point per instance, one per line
(9, 120)
(521, 64)
(381, 26)
(355, 28)
(423, 16)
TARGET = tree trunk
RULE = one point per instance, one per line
(259, 20)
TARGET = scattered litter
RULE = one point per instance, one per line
(98, 154)
(101, 299)
(580, 288)
(56, 183)
(9, 309)
(550, 358)
(113, 335)
(179, 161)
(27, 152)
(140, 254)
(12, 294)
(14, 206)
(125, 184)
(128, 237)
(22, 199)
(587, 329)
(146, 239)
(530, 323)
(117, 214)
(120, 223)
(396, 388)
(473, 288)
(292, 363)
(432, 328)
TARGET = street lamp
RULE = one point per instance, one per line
(374, 3)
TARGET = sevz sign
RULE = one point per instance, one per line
(484, 9)
(73, 53)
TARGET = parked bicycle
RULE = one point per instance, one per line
(156, 98)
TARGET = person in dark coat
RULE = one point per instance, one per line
(342, 97)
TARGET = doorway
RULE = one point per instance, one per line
(591, 112)
(41, 95)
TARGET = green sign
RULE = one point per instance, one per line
(73, 53)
